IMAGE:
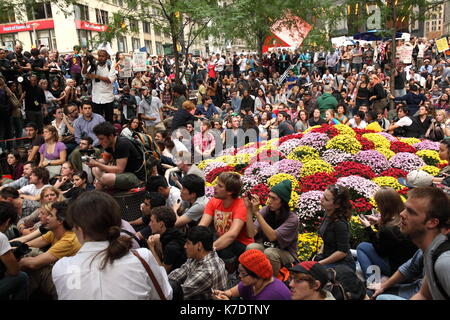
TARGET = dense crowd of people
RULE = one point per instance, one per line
(76, 123)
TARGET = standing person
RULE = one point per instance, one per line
(335, 229)
(118, 273)
(426, 216)
(276, 226)
(75, 65)
(150, 110)
(357, 59)
(35, 103)
(229, 215)
(6, 109)
(203, 271)
(103, 77)
(13, 283)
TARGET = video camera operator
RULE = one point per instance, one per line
(13, 282)
(6, 68)
(20, 63)
(102, 75)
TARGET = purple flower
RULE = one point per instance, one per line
(249, 181)
(388, 136)
(289, 145)
(309, 204)
(209, 192)
(373, 159)
(288, 166)
(263, 169)
(335, 156)
(247, 150)
(427, 145)
(227, 152)
(360, 185)
(406, 161)
(315, 140)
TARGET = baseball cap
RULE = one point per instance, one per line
(144, 88)
(313, 268)
(417, 178)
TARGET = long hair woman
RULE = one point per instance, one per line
(53, 153)
(108, 269)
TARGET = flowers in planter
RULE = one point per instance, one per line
(361, 206)
(406, 161)
(334, 156)
(345, 143)
(351, 168)
(262, 191)
(345, 130)
(394, 172)
(430, 157)
(319, 181)
(213, 174)
(358, 186)
(386, 152)
(303, 154)
(308, 245)
(314, 166)
(279, 177)
(309, 209)
(315, 140)
(373, 159)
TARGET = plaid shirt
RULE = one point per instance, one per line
(197, 278)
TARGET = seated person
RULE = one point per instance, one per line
(194, 201)
(85, 148)
(38, 181)
(171, 193)
(202, 272)
(184, 166)
(13, 282)
(63, 243)
(358, 121)
(33, 142)
(80, 185)
(52, 153)
(307, 281)
(402, 127)
(125, 168)
(229, 215)
(24, 180)
(276, 227)
(167, 242)
(63, 181)
(152, 200)
(257, 280)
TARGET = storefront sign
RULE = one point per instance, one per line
(86, 25)
(19, 27)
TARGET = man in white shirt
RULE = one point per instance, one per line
(38, 181)
(103, 75)
(242, 64)
(170, 193)
(358, 121)
(150, 110)
(220, 65)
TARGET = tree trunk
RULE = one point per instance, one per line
(260, 42)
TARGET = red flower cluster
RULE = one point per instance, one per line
(443, 165)
(351, 168)
(398, 146)
(329, 130)
(318, 181)
(404, 191)
(361, 205)
(262, 191)
(394, 172)
(360, 132)
(216, 172)
(366, 144)
(291, 136)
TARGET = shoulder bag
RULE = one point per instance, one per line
(150, 274)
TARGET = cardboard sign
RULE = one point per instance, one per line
(127, 68)
(442, 44)
(139, 61)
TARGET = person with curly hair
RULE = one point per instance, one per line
(335, 228)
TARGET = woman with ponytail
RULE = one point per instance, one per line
(105, 268)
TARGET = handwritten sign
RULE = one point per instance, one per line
(442, 44)
(139, 61)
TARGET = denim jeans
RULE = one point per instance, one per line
(15, 287)
(389, 297)
(367, 256)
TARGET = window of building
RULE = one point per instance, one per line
(102, 16)
(7, 41)
(134, 25)
(7, 16)
(85, 38)
(148, 46)
(38, 11)
(122, 44)
(81, 12)
(146, 27)
(44, 38)
(136, 42)
(159, 49)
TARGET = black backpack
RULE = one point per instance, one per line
(443, 247)
(344, 284)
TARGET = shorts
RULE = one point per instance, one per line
(126, 181)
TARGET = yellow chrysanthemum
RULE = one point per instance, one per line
(443, 163)
(374, 126)
(276, 179)
(388, 153)
(303, 154)
(430, 157)
(388, 182)
(311, 128)
(345, 130)
(314, 166)
(293, 203)
(434, 171)
(308, 245)
(410, 141)
(243, 158)
(378, 140)
(345, 143)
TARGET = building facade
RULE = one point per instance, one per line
(46, 24)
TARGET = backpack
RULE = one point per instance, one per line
(443, 247)
(344, 284)
(151, 155)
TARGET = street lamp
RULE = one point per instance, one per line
(35, 25)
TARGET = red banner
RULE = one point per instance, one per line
(28, 26)
(86, 25)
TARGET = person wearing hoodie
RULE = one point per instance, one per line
(326, 100)
(167, 242)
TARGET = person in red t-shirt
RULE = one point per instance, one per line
(229, 214)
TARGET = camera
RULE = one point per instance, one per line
(85, 159)
(86, 154)
(21, 250)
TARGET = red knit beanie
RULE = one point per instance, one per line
(257, 262)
